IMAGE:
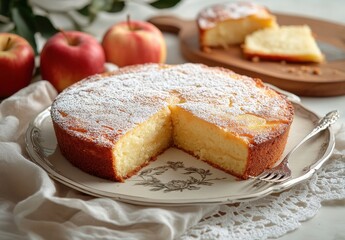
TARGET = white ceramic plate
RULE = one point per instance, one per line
(177, 178)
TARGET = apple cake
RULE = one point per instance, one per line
(226, 24)
(111, 125)
(289, 43)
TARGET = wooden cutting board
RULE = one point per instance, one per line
(307, 79)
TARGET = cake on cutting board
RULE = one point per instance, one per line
(289, 43)
(226, 24)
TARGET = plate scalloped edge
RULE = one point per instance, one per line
(39, 155)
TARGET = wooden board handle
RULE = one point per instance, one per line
(170, 24)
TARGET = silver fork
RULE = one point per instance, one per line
(282, 171)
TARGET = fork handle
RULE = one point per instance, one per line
(323, 123)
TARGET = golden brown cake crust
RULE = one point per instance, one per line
(256, 56)
(85, 154)
(90, 116)
(261, 155)
(265, 155)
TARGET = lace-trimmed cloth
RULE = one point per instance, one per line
(277, 214)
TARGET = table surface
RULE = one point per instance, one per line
(330, 221)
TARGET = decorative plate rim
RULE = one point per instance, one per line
(37, 155)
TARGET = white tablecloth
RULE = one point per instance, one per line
(34, 206)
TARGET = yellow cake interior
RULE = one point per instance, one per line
(232, 32)
(295, 43)
(148, 139)
(221, 25)
(175, 126)
(209, 142)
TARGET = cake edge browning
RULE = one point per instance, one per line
(86, 155)
(261, 155)
(91, 158)
(266, 154)
(258, 56)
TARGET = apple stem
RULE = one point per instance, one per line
(7, 46)
(129, 23)
(69, 40)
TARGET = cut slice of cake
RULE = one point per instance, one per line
(221, 25)
(289, 43)
(237, 153)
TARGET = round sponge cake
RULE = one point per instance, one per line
(113, 124)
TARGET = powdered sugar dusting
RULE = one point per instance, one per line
(210, 16)
(108, 106)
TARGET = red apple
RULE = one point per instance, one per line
(70, 56)
(134, 42)
(17, 62)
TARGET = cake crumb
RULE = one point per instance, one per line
(317, 71)
(335, 72)
(255, 59)
(305, 69)
(291, 70)
(206, 50)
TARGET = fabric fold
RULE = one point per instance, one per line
(33, 206)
